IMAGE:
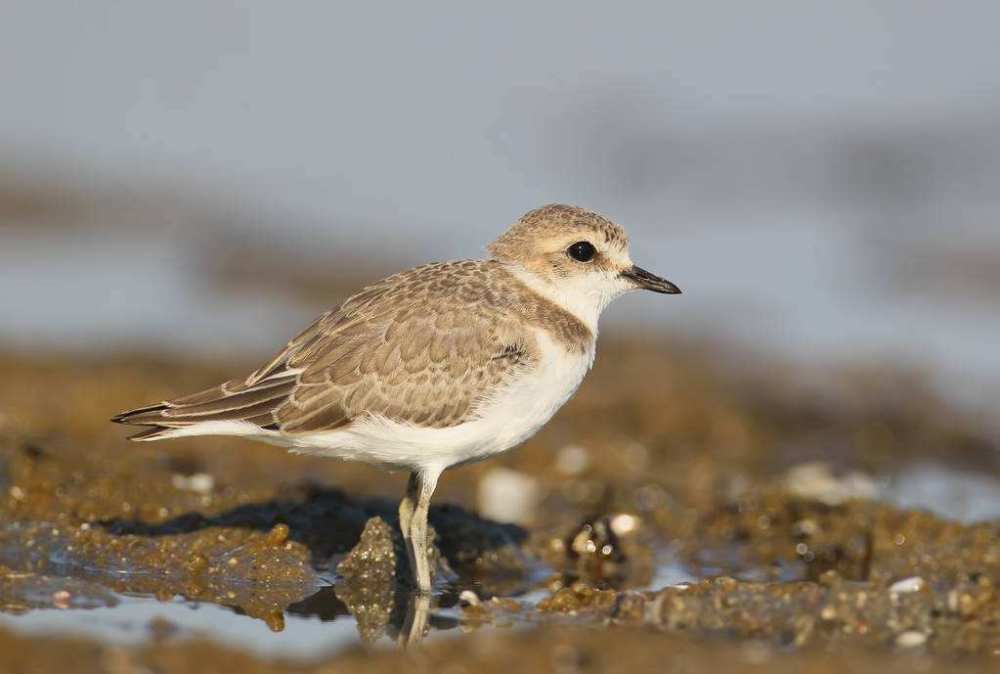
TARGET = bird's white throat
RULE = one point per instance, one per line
(584, 297)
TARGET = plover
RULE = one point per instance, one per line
(434, 367)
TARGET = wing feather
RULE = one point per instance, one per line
(425, 347)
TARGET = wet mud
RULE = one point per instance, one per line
(681, 513)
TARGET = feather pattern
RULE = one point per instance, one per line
(424, 347)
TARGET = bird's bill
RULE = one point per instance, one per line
(649, 281)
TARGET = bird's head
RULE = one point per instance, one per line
(576, 256)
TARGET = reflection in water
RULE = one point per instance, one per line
(366, 604)
(417, 619)
(133, 620)
(269, 563)
(407, 618)
(314, 627)
(118, 570)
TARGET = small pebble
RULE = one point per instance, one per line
(200, 483)
(61, 599)
(817, 481)
(911, 639)
(508, 495)
(572, 460)
(275, 621)
(911, 584)
(278, 534)
(624, 523)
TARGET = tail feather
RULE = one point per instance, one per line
(135, 416)
(233, 401)
(154, 433)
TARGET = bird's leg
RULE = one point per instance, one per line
(418, 612)
(406, 507)
(417, 536)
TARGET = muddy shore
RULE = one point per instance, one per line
(766, 495)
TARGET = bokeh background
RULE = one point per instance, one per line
(820, 178)
(186, 184)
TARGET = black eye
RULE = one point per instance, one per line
(582, 251)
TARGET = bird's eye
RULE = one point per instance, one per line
(582, 251)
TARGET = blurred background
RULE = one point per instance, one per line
(184, 185)
(820, 178)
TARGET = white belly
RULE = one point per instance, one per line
(507, 420)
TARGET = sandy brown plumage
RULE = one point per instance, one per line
(424, 346)
(434, 367)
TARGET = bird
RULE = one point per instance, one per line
(434, 367)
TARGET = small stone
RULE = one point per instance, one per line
(374, 556)
(369, 579)
(907, 585)
(469, 598)
(61, 599)
(911, 639)
(829, 578)
(953, 601)
(624, 523)
(816, 481)
(572, 460)
(278, 534)
(508, 495)
(275, 621)
(200, 483)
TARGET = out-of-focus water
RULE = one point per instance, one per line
(785, 166)
(799, 288)
(129, 622)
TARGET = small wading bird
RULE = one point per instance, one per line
(434, 367)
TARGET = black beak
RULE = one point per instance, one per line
(647, 281)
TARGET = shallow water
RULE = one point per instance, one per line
(73, 600)
(956, 494)
(803, 286)
(136, 620)
(316, 627)
(321, 625)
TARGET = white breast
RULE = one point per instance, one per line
(505, 421)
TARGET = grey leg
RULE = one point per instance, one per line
(416, 537)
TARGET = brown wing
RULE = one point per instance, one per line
(424, 347)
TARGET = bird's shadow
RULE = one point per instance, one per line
(329, 523)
